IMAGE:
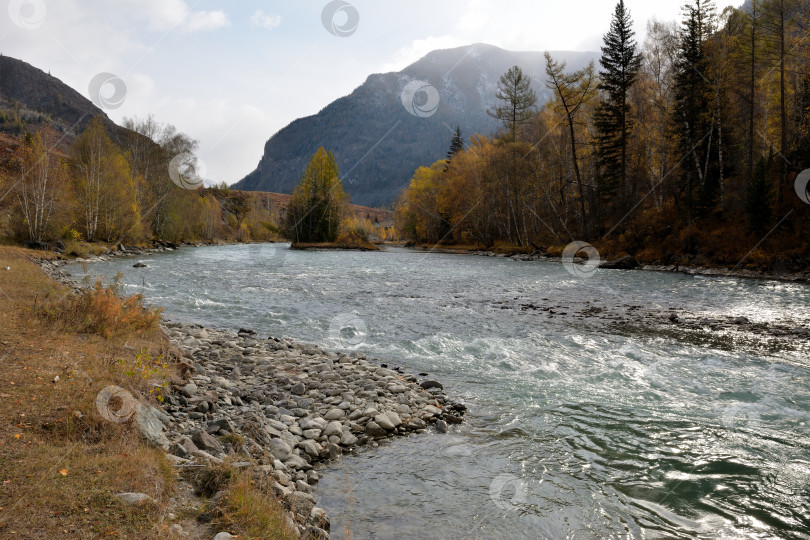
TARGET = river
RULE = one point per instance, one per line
(591, 414)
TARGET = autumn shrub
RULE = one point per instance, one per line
(101, 310)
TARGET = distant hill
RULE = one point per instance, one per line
(31, 98)
(377, 143)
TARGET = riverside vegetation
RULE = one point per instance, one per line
(218, 432)
(682, 151)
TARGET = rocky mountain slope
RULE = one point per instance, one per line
(380, 136)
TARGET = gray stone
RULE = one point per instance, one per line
(223, 423)
(135, 499)
(311, 434)
(280, 449)
(296, 462)
(427, 385)
(206, 441)
(334, 414)
(374, 430)
(189, 390)
(311, 422)
(416, 423)
(348, 439)
(223, 536)
(310, 447)
(384, 422)
(150, 426)
(332, 428)
(394, 418)
(298, 389)
(441, 426)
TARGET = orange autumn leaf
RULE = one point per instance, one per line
(63, 472)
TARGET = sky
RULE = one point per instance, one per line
(231, 74)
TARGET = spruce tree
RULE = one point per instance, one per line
(620, 65)
(456, 144)
(693, 122)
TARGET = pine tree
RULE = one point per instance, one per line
(318, 202)
(517, 101)
(621, 63)
(456, 144)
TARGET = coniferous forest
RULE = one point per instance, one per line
(682, 148)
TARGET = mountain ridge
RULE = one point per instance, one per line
(377, 142)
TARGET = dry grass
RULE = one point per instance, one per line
(249, 512)
(61, 463)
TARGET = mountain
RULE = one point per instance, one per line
(31, 98)
(377, 143)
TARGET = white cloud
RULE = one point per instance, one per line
(260, 20)
(205, 20)
(166, 15)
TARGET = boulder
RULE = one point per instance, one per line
(384, 422)
(206, 441)
(310, 447)
(332, 428)
(280, 449)
(150, 426)
(427, 385)
(373, 429)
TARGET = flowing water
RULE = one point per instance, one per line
(587, 419)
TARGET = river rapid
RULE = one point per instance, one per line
(624, 404)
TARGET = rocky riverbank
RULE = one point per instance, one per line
(280, 409)
(284, 407)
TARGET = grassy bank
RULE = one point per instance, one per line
(62, 463)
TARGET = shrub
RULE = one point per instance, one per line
(100, 310)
